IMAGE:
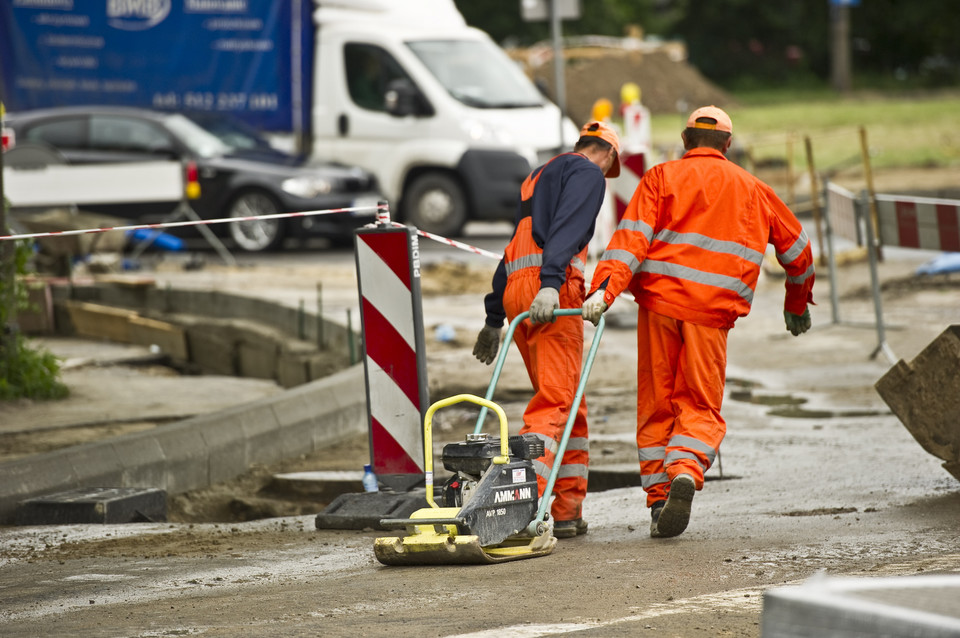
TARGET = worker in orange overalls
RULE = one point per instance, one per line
(690, 248)
(543, 269)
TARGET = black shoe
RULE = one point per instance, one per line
(675, 514)
(569, 529)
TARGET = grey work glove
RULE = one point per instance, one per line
(797, 324)
(546, 301)
(488, 342)
(594, 307)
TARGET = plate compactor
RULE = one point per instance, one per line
(491, 512)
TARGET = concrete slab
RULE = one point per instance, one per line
(212, 348)
(226, 443)
(100, 322)
(108, 505)
(34, 475)
(925, 396)
(96, 464)
(257, 358)
(186, 456)
(324, 486)
(902, 607)
(169, 338)
(142, 458)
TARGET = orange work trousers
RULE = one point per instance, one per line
(681, 371)
(552, 353)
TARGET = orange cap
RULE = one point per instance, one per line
(606, 133)
(722, 123)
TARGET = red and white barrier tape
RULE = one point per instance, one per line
(196, 222)
(199, 222)
(454, 243)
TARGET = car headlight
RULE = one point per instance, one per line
(307, 186)
(482, 132)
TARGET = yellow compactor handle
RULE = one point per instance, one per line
(428, 436)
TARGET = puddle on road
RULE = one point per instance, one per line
(787, 405)
(826, 511)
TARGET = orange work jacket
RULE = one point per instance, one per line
(692, 240)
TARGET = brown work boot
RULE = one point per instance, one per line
(569, 529)
(675, 514)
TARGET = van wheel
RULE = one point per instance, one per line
(435, 203)
(257, 235)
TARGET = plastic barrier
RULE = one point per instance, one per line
(388, 276)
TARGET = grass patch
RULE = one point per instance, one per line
(921, 131)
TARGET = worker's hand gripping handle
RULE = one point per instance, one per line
(559, 312)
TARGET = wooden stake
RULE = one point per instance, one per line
(815, 199)
(791, 196)
(868, 174)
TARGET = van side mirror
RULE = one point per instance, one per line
(403, 98)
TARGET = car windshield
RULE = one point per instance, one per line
(201, 142)
(231, 131)
(477, 73)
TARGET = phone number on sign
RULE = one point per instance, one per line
(208, 101)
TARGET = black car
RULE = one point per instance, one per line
(240, 174)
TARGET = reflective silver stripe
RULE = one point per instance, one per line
(624, 256)
(713, 245)
(795, 250)
(578, 443)
(536, 261)
(637, 226)
(542, 469)
(527, 261)
(801, 278)
(548, 443)
(676, 455)
(572, 470)
(649, 480)
(699, 276)
(652, 453)
(567, 470)
(693, 444)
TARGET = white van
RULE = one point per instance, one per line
(435, 109)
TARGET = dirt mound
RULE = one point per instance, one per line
(668, 84)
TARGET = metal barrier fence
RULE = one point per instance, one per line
(901, 221)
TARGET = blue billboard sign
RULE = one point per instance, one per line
(251, 58)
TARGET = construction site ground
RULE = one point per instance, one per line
(815, 475)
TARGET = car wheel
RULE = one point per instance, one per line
(260, 234)
(435, 203)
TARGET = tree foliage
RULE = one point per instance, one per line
(25, 371)
(764, 42)
(503, 20)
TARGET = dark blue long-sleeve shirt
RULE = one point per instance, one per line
(564, 208)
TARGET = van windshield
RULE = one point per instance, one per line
(477, 73)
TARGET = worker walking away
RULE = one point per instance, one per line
(690, 248)
(542, 270)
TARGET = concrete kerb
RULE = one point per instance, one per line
(214, 304)
(200, 451)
